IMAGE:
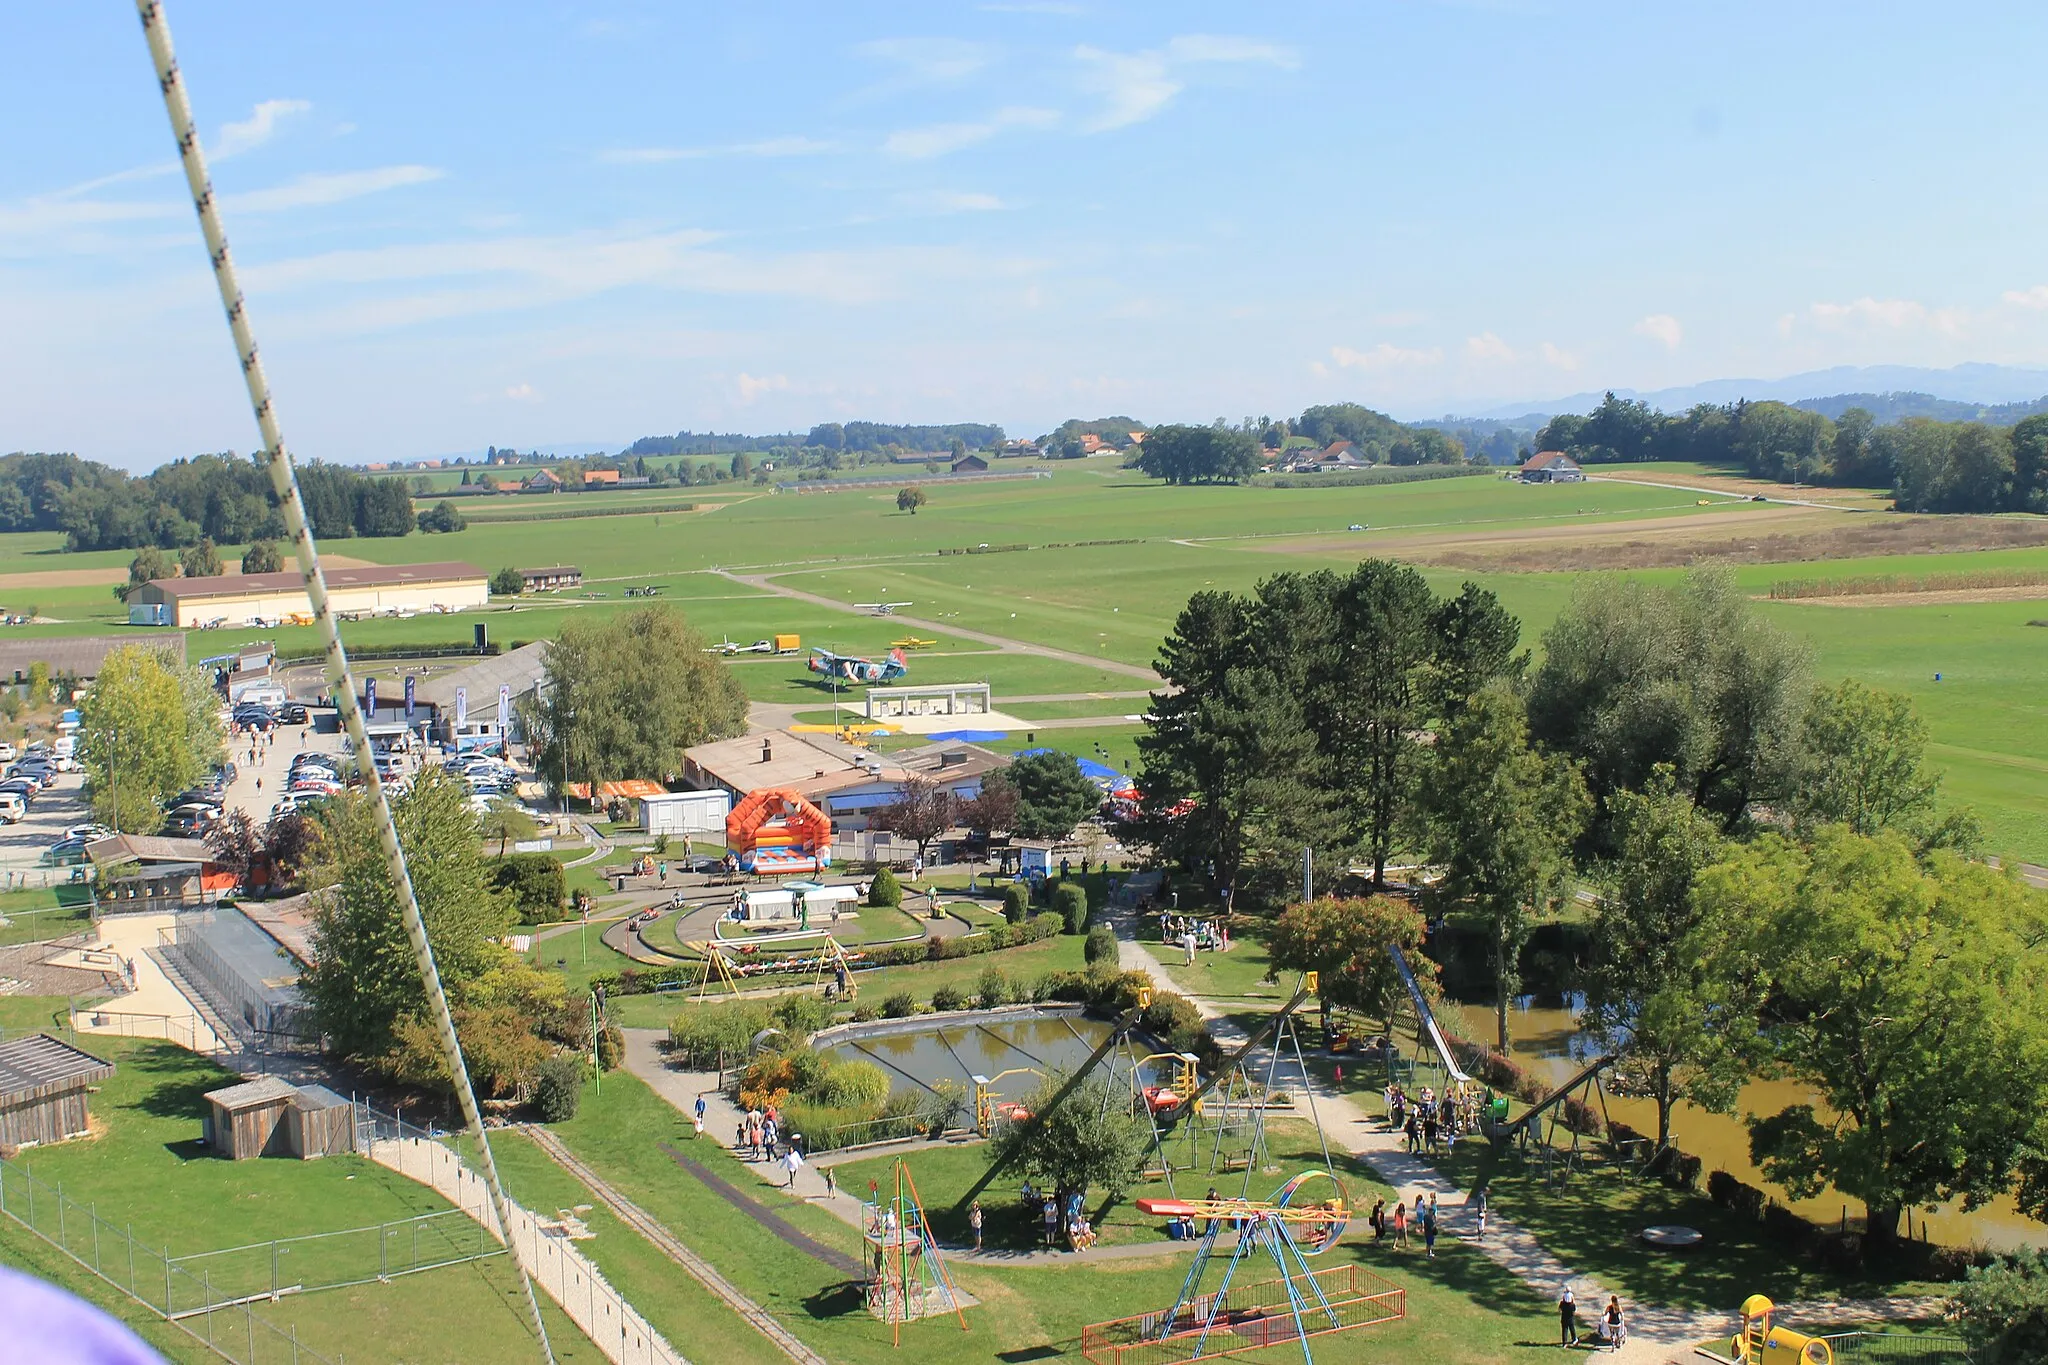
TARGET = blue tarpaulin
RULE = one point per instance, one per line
(969, 736)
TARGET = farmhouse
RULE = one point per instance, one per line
(542, 481)
(847, 783)
(1339, 455)
(1552, 466)
(970, 464)
(377, 591)
(43, 1085)
(600, 478)
(551, 579)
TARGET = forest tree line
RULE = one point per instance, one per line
(1929, 466)
(220, 498)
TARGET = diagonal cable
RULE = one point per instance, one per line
(285, 481)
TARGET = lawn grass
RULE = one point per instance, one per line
(45, 913)
(146, 1169)
(1060, 953)
(1592, 1222)
(1462, 1308)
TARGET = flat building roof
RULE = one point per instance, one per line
(257, 584)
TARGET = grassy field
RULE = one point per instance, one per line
(145, 1168)
(1113, 558)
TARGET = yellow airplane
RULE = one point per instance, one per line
(912, 642)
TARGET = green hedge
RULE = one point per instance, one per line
(538, 885)
(641, 981)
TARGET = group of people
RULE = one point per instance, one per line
(1068, 1222)
(1609, 1329)
(1430, 1122)
(1396, 1224)
(1191, 935)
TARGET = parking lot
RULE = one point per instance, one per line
(22, 844)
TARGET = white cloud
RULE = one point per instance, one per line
(522, 393)
(1559, 358)
(766, 147)
(752, 387)
(952, 201)
(1661, 327)
(1383, 357)
(1134, 86)
(2036, 298)
(1486, 347)
(921, 144)
(257, 129)
(927, 61)
(328, 188)
(1891, 315)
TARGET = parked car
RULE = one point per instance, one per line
(292, 713)
(12, 807)
(255, 718)
(7, 754)
(89, 832)
(286, 805)
(65, 852)
(21, 787)
(195, 796)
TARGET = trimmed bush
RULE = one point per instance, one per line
(866, 1012)
(1101, 945)
(1016, 902)
(1070, 903)
(949, 998)
(885, 889)
(558, 1088)
(611, 1047)
(851, 1085)
(900, 1005)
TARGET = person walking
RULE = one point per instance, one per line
(1479, 1199)
(1051, 1214)
(974, 1222)
(1379, 1220)
(1429, 1227)
(1567, 1319)
(1401, 1225)
(1613, 1328)
(792, 1161)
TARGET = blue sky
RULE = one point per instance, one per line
(523, 224)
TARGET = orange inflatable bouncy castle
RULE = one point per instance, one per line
(776, 833)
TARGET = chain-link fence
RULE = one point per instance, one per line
(150, 1275)
(1898, 1347)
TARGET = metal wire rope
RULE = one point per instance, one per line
(284, 480)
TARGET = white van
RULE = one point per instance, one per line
(12, 807)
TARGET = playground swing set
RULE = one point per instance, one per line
(727, 968)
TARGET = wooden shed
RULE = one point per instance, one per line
(43, 1085)
(249, 1119)
(320, 1123)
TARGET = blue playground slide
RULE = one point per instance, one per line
(1429, 1027)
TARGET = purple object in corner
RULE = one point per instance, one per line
(50, 1327)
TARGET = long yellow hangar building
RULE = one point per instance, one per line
(235, 599)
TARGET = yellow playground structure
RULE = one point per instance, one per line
(1760, 1343)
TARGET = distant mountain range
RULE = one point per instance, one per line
(1951, 394)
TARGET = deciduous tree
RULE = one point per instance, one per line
(142, 738)
(910, 499)
(1863, 764)
(921, 812)
(626, 694)
(1090, 1140)
(1346, 940)
(1501, 818)
(994, 807)
(1909, 996)
(1669, 985)
(201, 560)
(262, 557)
(365, 979)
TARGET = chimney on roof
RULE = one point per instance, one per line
(767, 751)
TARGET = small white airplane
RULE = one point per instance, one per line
(882, 608)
